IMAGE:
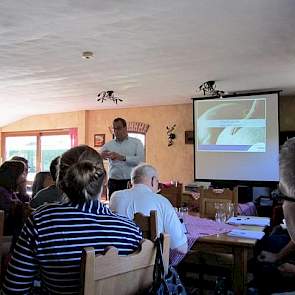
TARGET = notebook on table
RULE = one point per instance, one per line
(247, 234)
(249, 220)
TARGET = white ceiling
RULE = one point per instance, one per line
(150, 52)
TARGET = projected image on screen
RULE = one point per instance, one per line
(235, 125)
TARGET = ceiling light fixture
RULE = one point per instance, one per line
(209, 88)
(108, 95)
(87, 54)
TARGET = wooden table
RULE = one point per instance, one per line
(240, 248)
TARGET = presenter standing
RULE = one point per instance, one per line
(123, 153)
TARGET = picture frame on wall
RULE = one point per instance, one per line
(99, 140)
(189, 137)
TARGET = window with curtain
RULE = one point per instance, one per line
(39, 148)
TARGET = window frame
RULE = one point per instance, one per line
(144, 145)
(38, 134)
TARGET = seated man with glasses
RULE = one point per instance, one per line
(143, 198)
(276, 272)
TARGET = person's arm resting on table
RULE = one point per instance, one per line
(288, 268)
(174, 228)
(266, 256)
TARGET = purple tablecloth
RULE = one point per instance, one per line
(248, 209)
(198, 227)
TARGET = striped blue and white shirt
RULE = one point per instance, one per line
(52, 240)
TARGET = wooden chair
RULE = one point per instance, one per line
(1, 237)
(208, 262)
(5, 243)
(1, 223)
(148, 224)
(173, 194)
(112, 274)
(20, 211)
(210, 196)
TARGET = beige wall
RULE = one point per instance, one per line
(174, 162)
(287, 113)
(52, 121)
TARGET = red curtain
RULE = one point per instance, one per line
(74, 136)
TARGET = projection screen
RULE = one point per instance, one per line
(237, 138)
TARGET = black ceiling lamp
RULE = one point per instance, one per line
(209, 88)
(108, 95)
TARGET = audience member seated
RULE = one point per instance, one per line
(42, 179)
(143, 198)
(277, 273)
(12, 175)
(48, 194)
(22, 187)
(53, 237)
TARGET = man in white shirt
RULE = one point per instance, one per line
(123, 153)
(143, 198)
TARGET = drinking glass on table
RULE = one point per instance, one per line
(230, 210)
(220, 213)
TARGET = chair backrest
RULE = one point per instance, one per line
(1, 240)
(112, 274)
(148, 224)
(20, 211)
(1, 223)
(210, 196)
(173, 194)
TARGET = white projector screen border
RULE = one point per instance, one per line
(260, 166)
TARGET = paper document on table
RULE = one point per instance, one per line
(248, 234)
(249, 220)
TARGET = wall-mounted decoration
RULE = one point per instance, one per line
(209, 88)
(108, 95)
(189, 137)
(171, 134)
(135, 127)
(99, 140)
